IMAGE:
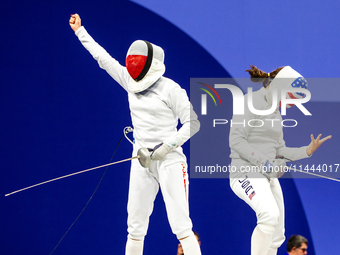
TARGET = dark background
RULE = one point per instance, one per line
(61, 113)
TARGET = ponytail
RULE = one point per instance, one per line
(257, 75)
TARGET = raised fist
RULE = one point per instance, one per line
(75, 22)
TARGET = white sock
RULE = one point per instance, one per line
(134, 247)
(190, 245)
(260, 242)
(272, 251)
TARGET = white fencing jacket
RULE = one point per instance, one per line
(154, 111)
(256, 145)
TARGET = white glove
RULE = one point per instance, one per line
(273, 169)
(161, 150)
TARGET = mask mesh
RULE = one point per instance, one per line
(139, 47)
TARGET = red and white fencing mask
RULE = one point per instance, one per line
(145, 64)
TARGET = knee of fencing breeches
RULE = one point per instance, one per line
(184, 234)
(268, 220)
(278, 241)
(136, 238)
(136, 228)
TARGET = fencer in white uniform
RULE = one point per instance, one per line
(256, 144)
(156, 103)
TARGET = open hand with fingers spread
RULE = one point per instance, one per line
(75, 22)
(314, 144)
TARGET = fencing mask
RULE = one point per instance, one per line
(145, 64)
(286, 78)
